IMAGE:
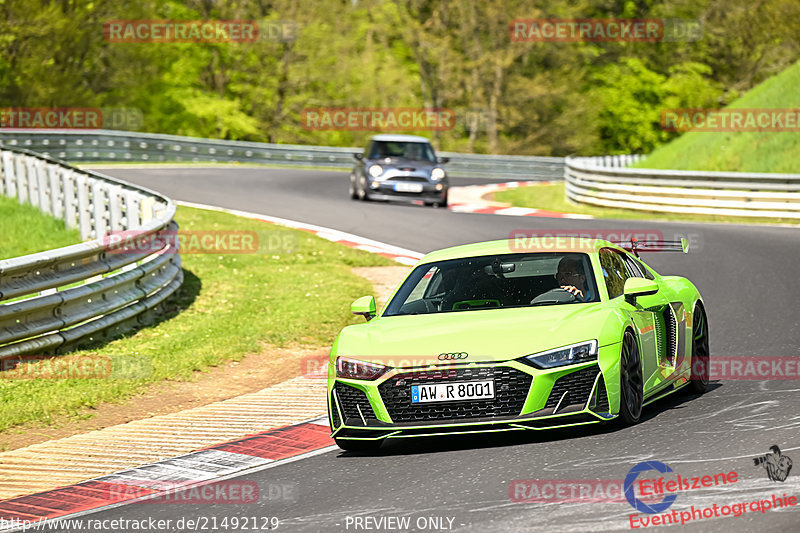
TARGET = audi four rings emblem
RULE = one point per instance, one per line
(451, 356)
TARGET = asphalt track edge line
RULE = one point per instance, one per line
(341, 235)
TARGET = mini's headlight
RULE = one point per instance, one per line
(354, 369)
(437, 173)
(568, 355)
(375, 171)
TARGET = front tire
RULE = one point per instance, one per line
(701, 357)
(362, 190)
(358, 445)
(353, 192)
(631, 382)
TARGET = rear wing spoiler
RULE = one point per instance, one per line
(635, 246)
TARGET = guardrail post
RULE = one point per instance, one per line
(70, 198)
(56, 202)
(132, 217)
(114, 208)
(41, 184)
(33, 183)
(9, 175)
(84, 216)
(22, 184)
(98, 191)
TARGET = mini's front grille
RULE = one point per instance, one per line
(335, 420)
(354, 404)
(511, 388)
(577, 386)
(416, 179)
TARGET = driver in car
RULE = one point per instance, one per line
(571, 278)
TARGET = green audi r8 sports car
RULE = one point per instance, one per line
(497, 336)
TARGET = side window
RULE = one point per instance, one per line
(634, 269)
(614, 272)
(646, 273)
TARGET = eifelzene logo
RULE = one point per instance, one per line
(453, 356)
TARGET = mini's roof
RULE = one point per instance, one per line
(400, 138)
(521, 244)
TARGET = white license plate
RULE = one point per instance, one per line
(452, 392)
(408, 187)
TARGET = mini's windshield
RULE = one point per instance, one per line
(495, 282)
(408, 150)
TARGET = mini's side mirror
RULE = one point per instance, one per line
(359, 156)
(638, 287)
(443, 160)
(364, 306)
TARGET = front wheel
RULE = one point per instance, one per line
(358, 445)
(361, 190)
(631, 382)
(353, 192)
(701, 357)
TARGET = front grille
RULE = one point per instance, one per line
(335, 420)
(578, 385)
(354, 404)
(511, 388)
(416, 179)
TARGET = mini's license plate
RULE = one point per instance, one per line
(452, 392)
(408, 187)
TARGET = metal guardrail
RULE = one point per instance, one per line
(606, 181)
(65, 296)
(122, 146)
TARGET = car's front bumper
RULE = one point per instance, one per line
(429, 193)
(525, 398)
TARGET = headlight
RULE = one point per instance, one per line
(353, 369)
(375, 171)
(437, 173)
(568, 355)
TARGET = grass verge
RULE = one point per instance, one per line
(26, 230)
(553, 198)
(229, 306)
(742, 151)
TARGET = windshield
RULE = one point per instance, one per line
(495, 282)
(408, 150)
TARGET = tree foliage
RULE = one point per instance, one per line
(546, 98)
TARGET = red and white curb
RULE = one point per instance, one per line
(469, 199)
(230, 459)
(401, 255)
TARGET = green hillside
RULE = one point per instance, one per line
(740, 151)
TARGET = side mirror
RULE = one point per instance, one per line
(638, 287)
(359, 156)
(443, 160)
(364, 306)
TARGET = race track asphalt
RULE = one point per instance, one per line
(748, 276)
